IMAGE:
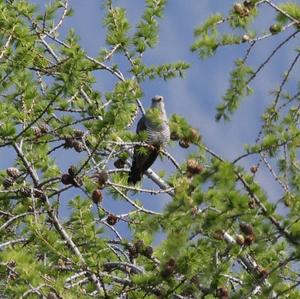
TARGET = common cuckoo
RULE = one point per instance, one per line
(155, 124)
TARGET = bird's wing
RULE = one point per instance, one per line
(141, 125)
(141, 162)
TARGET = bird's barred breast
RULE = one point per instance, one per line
(158, 137)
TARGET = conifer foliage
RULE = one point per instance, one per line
(223, 237)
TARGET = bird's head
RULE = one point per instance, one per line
(158, 102)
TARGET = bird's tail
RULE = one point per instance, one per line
(140, 163)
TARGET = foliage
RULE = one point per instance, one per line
(221, 236)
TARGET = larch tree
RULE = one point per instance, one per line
(222, 235)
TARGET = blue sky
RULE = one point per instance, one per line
(195, 96)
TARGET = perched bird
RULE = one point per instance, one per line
(155, 124)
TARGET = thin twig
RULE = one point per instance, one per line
(12, 242)
(136, 189)
(271, 55)
(141, 209)
(60, 22)
(282, 11)
(6, 45)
